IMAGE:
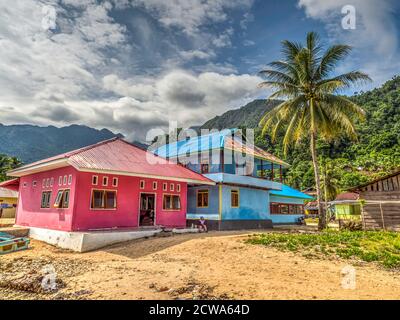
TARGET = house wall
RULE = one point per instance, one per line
(212, 211)
(128, 196)
(253, 204)
(9, 212)
(29, 212)
(79, 215)
(285, 218)
(381, 209)
(126, 214)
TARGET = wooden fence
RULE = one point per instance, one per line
(381, 215)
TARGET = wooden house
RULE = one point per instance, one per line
(381, 202)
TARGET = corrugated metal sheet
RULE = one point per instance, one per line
(290, 192)
(214, 141)
(120, 156)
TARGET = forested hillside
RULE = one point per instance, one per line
(344, 163)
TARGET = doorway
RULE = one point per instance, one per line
(147, 209)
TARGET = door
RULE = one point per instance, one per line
(147, 209)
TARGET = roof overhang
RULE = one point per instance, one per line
(60, 163)
(151, 176)
(35, 168)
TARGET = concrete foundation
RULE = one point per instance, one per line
(92, 240)
(221, 225)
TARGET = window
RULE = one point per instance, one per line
(115, 182)
(202, 198)
(105, 181)
(45, 199)
(234, 198)
(62, 199)
(47, 182)
(51, 181)
(171, 202)
(70, 179)
(24, 184)
(164, 186)
(283, 208)
(60, 180)
(34, 183)
(178, 188)
(64, 180)
(104, 199)
(142, 184)
(154, 185)
(204, 168)
(171, 187)
(95, 180)
(43, 183)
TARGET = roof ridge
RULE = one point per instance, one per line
(94, 145)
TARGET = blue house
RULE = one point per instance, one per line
(249, 192)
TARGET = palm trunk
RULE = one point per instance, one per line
(322, 218)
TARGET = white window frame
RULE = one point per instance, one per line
(115, 182)
(142, 184)
(95, 178)
(104, 181)
(70, 179)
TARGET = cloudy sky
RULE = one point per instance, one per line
(132, 65)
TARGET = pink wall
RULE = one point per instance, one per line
(79, 215)
(127, 212)
(29, 212)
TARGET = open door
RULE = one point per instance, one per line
(147, 209)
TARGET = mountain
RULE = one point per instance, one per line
(248, 116)
(376, 152)
(30, 143)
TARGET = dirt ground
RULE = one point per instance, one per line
(217, 265)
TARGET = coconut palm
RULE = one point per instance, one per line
(311, 106)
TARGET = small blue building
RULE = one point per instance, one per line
(249, 192)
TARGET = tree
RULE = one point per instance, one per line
(7, 163)
(312, 107)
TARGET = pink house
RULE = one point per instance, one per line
(111, 184)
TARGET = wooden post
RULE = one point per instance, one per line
(362, 216)
(272, 171)
(262, 169)
(280, 173)
(383, 220)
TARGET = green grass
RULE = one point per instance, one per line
(370, 246)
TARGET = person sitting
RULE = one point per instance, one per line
(202, 225)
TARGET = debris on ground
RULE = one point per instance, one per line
(196, 290)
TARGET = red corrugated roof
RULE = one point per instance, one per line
(122, 157)
(347, 196)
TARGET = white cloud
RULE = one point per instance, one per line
(190, 15)
(375, 38)
(87, 70)
(178, 95)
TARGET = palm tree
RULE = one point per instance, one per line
(311, 107)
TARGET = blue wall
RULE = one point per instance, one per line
(253, 204)
(285, 218)
(213, 201)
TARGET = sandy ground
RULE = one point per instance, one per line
(208, 266)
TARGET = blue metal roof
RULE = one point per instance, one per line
(195, 144)
(290, 192)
